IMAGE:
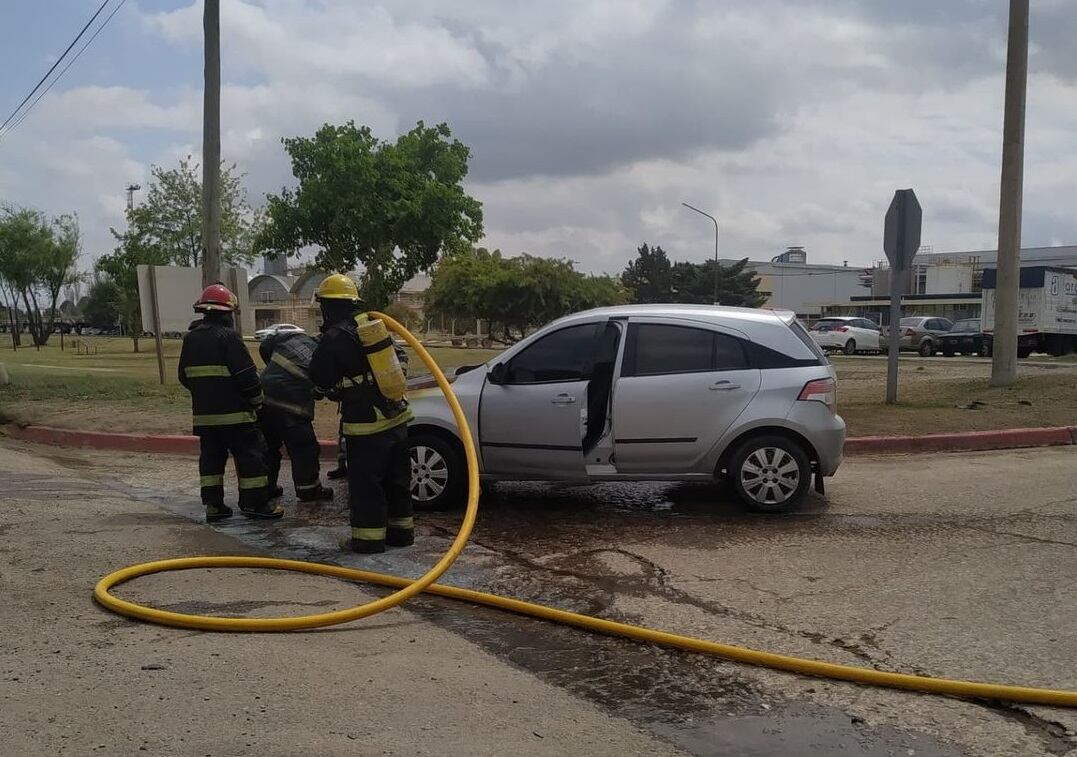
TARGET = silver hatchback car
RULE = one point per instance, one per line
(645, 392)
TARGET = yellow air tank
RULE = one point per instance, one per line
(384, 364)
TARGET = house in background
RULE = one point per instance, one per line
(282, 296)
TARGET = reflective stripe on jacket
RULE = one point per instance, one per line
(218, 371)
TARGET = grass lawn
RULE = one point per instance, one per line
(117, 390)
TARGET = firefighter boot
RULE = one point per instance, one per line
(401, 532)
(341, 471)
(317, 493)
(216, 513)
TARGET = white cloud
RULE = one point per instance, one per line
(591, 121)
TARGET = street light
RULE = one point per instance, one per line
(715, 221)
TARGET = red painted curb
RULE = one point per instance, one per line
(167, 444)
(963, 442)
(865, 445)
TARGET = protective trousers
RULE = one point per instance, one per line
(296, 435)
(245, 443)
(379, 488)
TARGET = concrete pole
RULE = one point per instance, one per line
(1004, 356)
(211, 145)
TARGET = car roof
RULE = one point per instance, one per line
(717, 313)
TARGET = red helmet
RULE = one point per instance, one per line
(216, 297)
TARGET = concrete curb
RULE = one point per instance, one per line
(969, 441)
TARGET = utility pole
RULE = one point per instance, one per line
(716, 269)
(211, 145)
(1004, 355)
(131, 189)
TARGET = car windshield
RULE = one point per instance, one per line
(911, 321)
(828, 324)
(970, 325)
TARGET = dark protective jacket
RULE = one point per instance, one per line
(218, 371)
(286, 377)
(340, 370)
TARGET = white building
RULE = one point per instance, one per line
(791, 283)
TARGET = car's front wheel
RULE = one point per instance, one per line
(770, 473)
(438, 472)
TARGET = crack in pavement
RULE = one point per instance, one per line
(655, 582)
(1024, 537)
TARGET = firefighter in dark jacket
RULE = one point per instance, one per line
(287, 416)
(225, 392)
(375, 425)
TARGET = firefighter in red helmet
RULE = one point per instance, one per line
(217, 370)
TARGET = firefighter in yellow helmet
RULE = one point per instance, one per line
(357, 363)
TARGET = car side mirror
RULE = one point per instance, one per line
(498, 374)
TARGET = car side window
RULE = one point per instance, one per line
(659, 349)
(564, 355)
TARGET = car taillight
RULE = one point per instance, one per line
(821, 390)
(842, 328)
(910, 332)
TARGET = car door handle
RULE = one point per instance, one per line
(724, 386)
(564, 399)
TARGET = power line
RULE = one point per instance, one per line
(54, 65)
(63, 71)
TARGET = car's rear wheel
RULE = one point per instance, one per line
(770, 473)
(438, 472)
(927, 349)
(985, 349)
(849, 348)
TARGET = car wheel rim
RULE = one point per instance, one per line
(429, 473)
(770, 475)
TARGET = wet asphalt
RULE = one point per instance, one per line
(954, 565)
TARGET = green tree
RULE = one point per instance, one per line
(38, 259)
(103, 306)
(391, 207)
(649, 278)
(737, 284)
(516, 294)
(170, 217)
(121, 268)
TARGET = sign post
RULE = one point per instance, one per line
(156, 310)
(901, 240)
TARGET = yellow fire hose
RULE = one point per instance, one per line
(408, 588)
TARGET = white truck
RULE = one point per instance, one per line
(1046, 309)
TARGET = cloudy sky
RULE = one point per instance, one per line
(589, 121)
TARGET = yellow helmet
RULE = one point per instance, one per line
(337, 286)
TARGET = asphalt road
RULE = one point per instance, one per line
(954, 565)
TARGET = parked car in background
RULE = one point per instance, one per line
(966, 338)
(922, 334)
(850, 335)
(637, 393)
(278, 328)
